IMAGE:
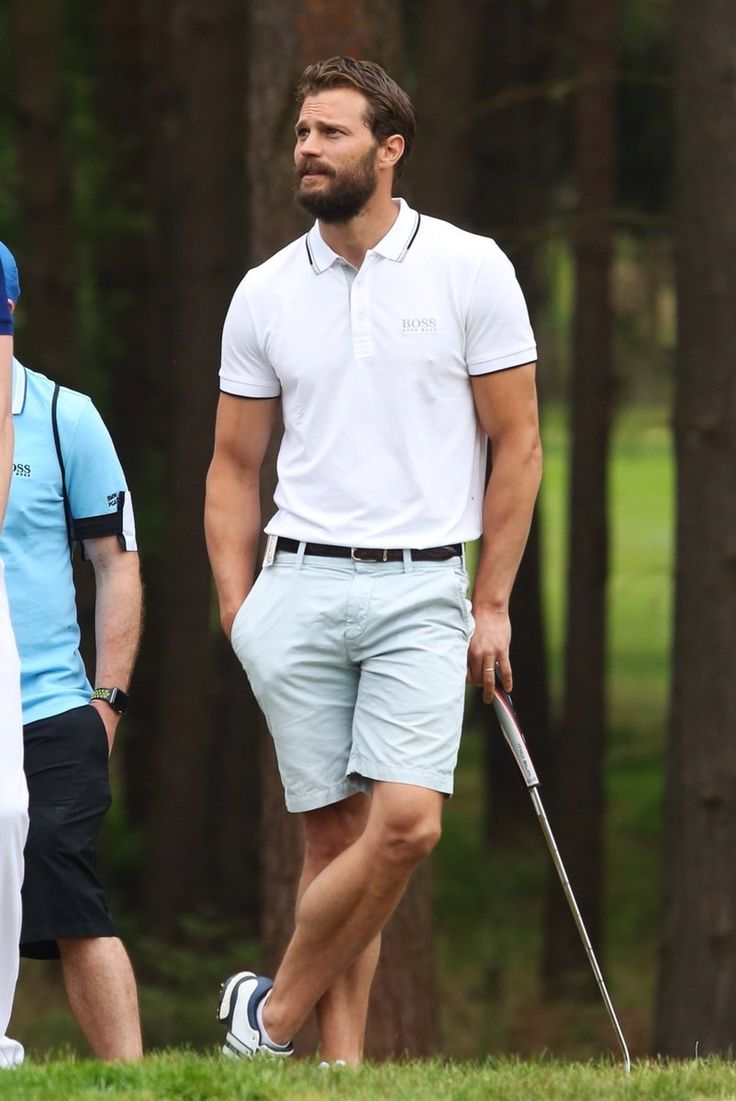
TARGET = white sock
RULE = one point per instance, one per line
(264, 1031)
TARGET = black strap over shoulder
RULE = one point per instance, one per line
(57, 443)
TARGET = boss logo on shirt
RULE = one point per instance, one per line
(22, 470)
(413, 325)
(113, 500)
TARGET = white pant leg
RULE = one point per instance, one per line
(13, 816)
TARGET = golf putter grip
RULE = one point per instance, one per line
(508, 722)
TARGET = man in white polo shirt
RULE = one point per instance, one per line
(395, 345)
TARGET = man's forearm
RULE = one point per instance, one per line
(232, 530)
(118, 619)
(507, 514)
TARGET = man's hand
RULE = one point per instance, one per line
(110, 718)
(227, 618)
(488, 648)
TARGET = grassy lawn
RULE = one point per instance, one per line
(189, 1077)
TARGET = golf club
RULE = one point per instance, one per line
(512, 732)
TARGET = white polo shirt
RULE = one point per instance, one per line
(381, 445)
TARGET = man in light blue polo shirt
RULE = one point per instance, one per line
(68, 487)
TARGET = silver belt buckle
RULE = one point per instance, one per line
(363, 557)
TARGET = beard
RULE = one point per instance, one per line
(344, 196)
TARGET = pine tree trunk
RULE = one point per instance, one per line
(515, 145)
(199, 52)
(696, 1001)
(45, 253)
(129, 303)
(577, 795)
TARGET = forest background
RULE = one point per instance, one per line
(144, 166)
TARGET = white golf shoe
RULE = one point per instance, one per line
(240, 996)
(11, 1053)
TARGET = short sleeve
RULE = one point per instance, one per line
(6, 318)
(245, 370)
(99, 499)
(498, 332)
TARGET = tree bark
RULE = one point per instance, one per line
(577, 793)
(46, 254)
(129, 302)
(199, 114)
(449, 54)
(696, 1000)
(515, 152)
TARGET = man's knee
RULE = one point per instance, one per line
(409, 841)
(408, 825)
(331, 830)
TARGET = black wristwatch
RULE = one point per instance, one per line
(115, 697)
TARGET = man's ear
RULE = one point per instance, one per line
(391, 150)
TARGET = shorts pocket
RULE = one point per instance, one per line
(98, 731)
(245, 606)
(461, 588)
(242, 622)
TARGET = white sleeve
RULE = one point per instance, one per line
(244, 367)
(498, 334)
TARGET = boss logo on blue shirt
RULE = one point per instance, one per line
(113, 500)
(22, 470)
(419, 325)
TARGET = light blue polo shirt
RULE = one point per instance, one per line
(34, 542)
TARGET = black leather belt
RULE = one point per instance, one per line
(370, 554)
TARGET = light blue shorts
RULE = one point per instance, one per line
(359, 668)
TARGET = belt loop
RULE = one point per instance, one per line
(408, 561)
(299, 560)
(462, 555)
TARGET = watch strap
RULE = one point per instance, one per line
(115, 697)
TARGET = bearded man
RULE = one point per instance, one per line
(395, 346)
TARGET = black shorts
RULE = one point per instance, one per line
(69, 795)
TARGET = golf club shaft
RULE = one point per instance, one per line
(513, 735)
(557, 860)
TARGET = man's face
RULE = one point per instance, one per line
(334, 156)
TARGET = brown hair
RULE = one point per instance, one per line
(390, 111)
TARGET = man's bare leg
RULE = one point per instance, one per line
(347, 905)
(102, 994)
(342, 1010)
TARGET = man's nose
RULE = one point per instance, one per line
(309, 146)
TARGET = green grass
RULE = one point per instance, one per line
(188, 1077)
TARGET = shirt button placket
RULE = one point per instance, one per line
(360, 315)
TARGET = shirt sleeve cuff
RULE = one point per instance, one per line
(502, 363)
(249, 389)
